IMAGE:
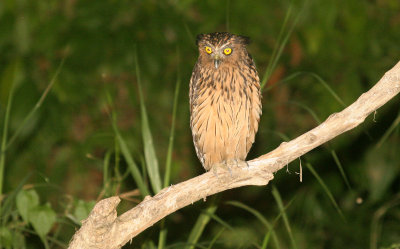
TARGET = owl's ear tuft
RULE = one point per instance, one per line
(244, 39)
(199, 38)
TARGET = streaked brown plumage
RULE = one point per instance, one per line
(225, 100)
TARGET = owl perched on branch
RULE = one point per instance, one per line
(225, 100)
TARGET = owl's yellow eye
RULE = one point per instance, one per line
(227, 51)
(208, 50)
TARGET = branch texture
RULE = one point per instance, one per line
(103, 229)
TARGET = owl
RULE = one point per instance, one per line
(225, 100)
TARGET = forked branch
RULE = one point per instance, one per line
(103, 229)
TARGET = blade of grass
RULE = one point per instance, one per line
(163, 232)
(106, 166)
(278, 200)
(133, 168)
(377, 218)
(261, 218)
(330, 90)
(281, 135)
(216, 238)
(37, 105)
(308, 109)
(340, 167)
(117, 157)
(389, 131)
(226, 225)
(274, 56)
(131, 164)
(106, 169)
(333, 152)
(317, 77)
(326, 189)
(172, 132)
(251, 210)
(219, 220)
(149, 150)
(5, 131)
(149, 244)
(180, 245)
(265, 240)
(162, 237)
(200, 224)
(280, 45)
(275, 239)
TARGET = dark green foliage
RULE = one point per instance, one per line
(75, 128)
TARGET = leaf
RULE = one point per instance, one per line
(42, 219)
(83, 209)
(26, 201)
(5, 237)
(18, 240)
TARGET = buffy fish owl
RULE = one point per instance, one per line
(225, 100)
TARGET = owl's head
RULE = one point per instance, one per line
(221, 48)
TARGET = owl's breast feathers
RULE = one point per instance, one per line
(225, 107)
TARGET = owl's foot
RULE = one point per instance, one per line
(227, 165)
(237, 163)
(220, 168)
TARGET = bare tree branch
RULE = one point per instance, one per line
(103, 229)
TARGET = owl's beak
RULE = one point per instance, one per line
(216, 63)
(217, 60)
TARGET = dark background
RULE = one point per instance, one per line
(331, 52)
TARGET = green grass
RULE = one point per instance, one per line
(149, 150)
(201, 222)
(167, 174)
(5, 133)
(263, 220)
(278, 200)
(326, 189)
(6, 143)
(133, 167)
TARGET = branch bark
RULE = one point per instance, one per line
(103, 229)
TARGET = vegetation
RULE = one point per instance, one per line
(94, 103)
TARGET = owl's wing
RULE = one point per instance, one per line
(193, 86)
(255, 100)
(196, 121)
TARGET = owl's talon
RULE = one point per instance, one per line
(224, 166)
(214, 170)
(237, 163)
(230, 171)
